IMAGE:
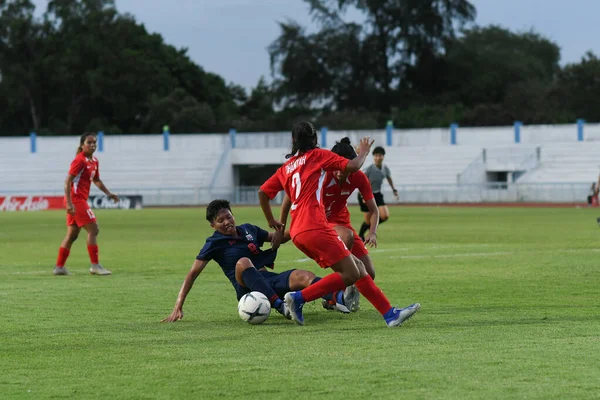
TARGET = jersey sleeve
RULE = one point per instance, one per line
(363, 185)
(331, 161)
(273, 185)
(77, 165)
(206, 254)
(388, 174)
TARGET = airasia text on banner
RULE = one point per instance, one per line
(30, 203)
(41, 203)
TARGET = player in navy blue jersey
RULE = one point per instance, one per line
(237, 250)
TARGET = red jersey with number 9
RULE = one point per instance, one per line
(84, 170)
(302, 178)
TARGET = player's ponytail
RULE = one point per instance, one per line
(304, 138)
(344, 149)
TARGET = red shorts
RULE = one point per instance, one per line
(323, 246)
(83, 215)
(358, 248)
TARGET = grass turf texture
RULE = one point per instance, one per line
(509, 296)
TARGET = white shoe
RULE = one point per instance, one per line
(352, 298)
(60, 271)
(284, 310)
(97, 269)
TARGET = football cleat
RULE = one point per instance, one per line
(295, 303)
(97, 269)
(328, 304)
(351, 298)
(284, 310)
(60, 271)
(398, 315)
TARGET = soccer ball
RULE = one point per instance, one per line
(254, 308)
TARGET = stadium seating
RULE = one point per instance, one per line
(188, 164)
(428, 165)
(576, 162)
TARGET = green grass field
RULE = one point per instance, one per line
(510, 309)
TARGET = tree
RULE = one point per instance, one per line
(85, 66)
(578, 86)
(481, 65)
(22, 52)
(399, 33)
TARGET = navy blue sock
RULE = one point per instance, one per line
(256, 282)
(329, 296)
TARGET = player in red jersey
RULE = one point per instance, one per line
(339, 186)
(302, 177)
(83, 171)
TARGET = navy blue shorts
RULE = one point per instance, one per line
(279, 282)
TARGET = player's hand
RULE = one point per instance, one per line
(277, 239)
(396, 195)
(364, 146)
(70, 209)
(113, 197)
(371, 239)
(176, 315)
(278, 226)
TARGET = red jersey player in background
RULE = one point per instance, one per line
(302, 178)
(339, 186)
(83, 171)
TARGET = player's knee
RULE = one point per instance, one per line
(243, 263)
(346, 235)
(73, 237)
(304, 278)
(384, 217)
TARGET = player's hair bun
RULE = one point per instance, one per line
(345, 140)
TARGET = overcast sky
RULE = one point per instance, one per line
(230, 37)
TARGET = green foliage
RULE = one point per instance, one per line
(84, 66)
(509, 310)
(578, 87)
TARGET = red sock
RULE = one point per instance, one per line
(63, 254)
(367, 288)
(329, 284)
(93, 252)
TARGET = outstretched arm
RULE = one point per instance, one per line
(265, 205)
(177, 312)
(107, 192)
(389, 179)
(364, 146)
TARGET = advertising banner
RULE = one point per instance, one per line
(41, 203)
(31, 203)
(125, 202)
